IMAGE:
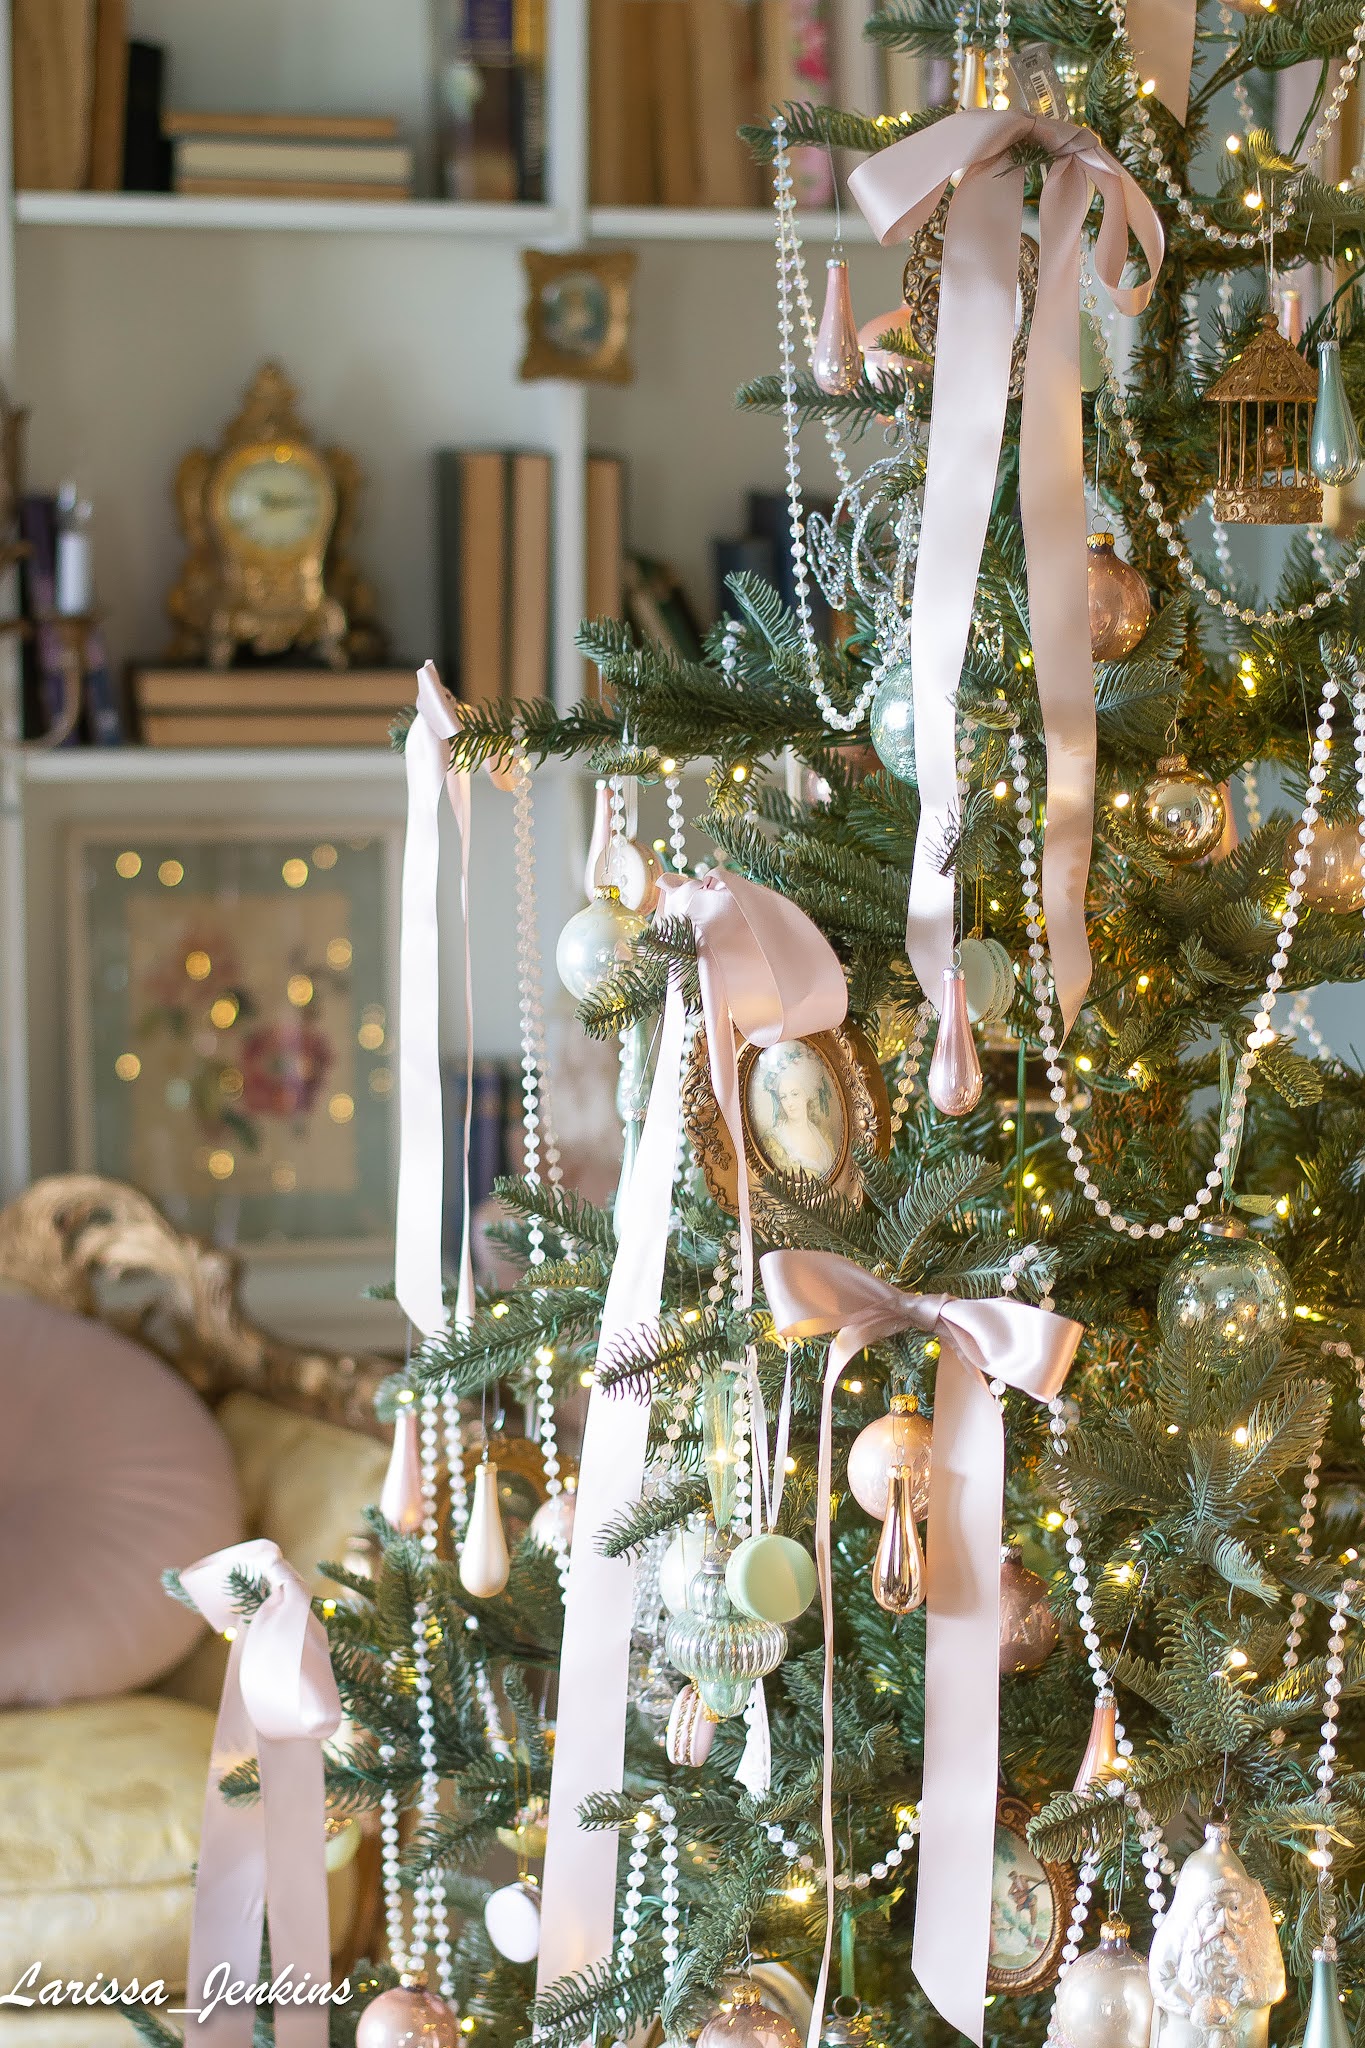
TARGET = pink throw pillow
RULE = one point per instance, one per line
(111, 1469)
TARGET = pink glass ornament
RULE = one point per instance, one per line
(400, 1501)
(407, 2017)
(955, 1070)
(837, 363)
(1101, 1751)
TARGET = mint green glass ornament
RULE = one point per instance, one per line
(721, 1650)
(1326, 2025)
(893, 724)
(1334, 449)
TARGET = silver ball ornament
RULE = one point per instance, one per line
(901, 1437)
(409, 2016)
(1224, 1290)
(892, 720)
(1105, 1998)
(1183, 813)
(595, 942)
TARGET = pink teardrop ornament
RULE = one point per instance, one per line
(1101, 1751)
(837, 363)
(400, 1500)
(955, 1070)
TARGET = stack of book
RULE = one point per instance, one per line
(494, 510)
(288, 156)
(269, 707)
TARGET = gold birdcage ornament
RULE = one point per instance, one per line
(1265, 401)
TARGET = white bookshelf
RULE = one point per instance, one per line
(131, 323)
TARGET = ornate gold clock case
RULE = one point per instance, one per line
(267, 518)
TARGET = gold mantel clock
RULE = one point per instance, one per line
(267, 518)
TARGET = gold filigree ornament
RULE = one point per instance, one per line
(1265, 401)
(920, 289)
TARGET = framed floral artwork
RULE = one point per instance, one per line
(232, 1027)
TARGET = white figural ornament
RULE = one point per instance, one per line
(1216, 1967)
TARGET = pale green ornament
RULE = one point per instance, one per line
(1334, 446)
(893, 724)
(771, 1578)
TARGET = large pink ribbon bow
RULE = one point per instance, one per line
(765, 969)
(812, 1294)
(421, 1137)
(267, 1859)
(897, 191)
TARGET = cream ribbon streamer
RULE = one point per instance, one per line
(763, 968)
(1161, 40)
(421, 1136)
(814, 1294)
(897, 191)
(266, 1859)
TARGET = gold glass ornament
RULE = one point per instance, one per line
(1216, 1967)
(1101, 1751)
(744, 2021)
(971, 84)
(1265, 401)
(1183, 813)
(1120, 602)
(1028, 1627)
(526, 1836)
(1105, 1998)
(1334, 867)
(898, 1567)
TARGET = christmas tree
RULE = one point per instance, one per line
(1155, 1146)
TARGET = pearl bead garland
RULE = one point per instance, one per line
(676, 837)
(911, 1061)
(661, 1806)
(1261, 1035)
(885, 1866)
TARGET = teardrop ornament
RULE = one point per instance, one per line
(1326, 2025)
(1101, 1751)
(1334, 450)
(400, 1499)
(955, 1070)
(837, 363)
(971, 85)
(898, 1567)
(484, 1563)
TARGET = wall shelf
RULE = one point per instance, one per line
(720, 224)
(211, 764)
(285, 216)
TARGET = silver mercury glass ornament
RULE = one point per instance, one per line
(1105, 1998)
(721, 1650)
(1216, 1967)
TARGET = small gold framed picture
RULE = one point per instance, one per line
(578, 314)
(806, 1105)
(1030, 1906)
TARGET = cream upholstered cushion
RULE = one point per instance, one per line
(303, 1484)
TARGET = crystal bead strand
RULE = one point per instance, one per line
(1303, 1543)
(1251, 790)
(1228, 238)
(1302, 1020)
(428, 1413)
(454, 1449)
(911, 1061)
(1246, 113)
(741, 1450)
(1326, 1770)
(959, 45)
(998, 63)
(1176, 547)
(1236, 1110)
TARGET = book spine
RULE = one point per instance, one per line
(476, 98)
(449, 498)
(146, 152)
(38, 526)
(529, 37)
(109, 108)
(104, 720)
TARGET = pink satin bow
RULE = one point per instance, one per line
(812, 1294)
(1161, 39)
(765, 968)
(268, 1858)
(897, 191)
(421, 1141)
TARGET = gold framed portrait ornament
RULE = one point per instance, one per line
(1030, 1906)
(578, 315)
(807, 1106)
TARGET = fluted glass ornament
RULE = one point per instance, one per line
(892, 719)
(1105, 1998)
(595, 941)
(484, 1563)
(1223, 1291)
(902, 1437)
(408, 2016)
(1326, 2025)
(898, 1567)
(837, 364)
(1101, 1751)
(1216, 1967)
(400, 1498)
(1334, 448)
(719, 1649)
(955, 1070)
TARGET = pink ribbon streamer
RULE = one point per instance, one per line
(897, 191)
(765, 968)
(1161, 39)
(812, 1294)
(266, 1859)
(421, 1136)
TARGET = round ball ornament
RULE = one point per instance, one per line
(770, 1578)
(1105, 1998)
(744, 2021)
(719, 1649)
(988, 979)
(552, 1521)
(1334, 867)
(1183, 813)
(901, 1437)
(678, 1567)
(409, 2016)
(1028, 1627)
(526, 1836)
(691, 1730)
(595, 942)
(1225, 1290)
(512, 1917)
(1120, 602)
(892, 720)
